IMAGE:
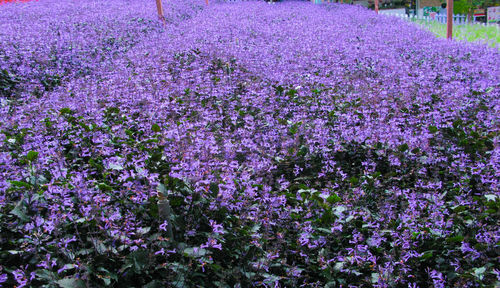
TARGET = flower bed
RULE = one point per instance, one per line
(14, 1)
(242, 145)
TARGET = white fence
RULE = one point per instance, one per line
(457, 18)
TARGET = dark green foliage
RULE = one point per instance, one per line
(8, 84)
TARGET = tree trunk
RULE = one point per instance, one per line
(471, 11)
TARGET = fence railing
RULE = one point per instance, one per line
(458, 19)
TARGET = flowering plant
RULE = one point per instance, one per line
(243, 144)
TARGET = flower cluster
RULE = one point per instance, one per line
(242, 144)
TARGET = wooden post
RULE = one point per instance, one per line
(449, 20)
(206, 1)
(376, 6)
(159, 6)
(164, 212)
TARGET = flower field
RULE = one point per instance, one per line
(244, 145)
(14, 1)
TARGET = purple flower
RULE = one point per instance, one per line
(212, 243)
(3, 278)
(216, 228)
(20, 278)
(164, 225)
(161, 251)
(437, 278)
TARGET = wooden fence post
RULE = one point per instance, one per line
(164, 212)
(376, 6)
(159, 7)
(449, 20)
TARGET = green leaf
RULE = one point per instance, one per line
(433, 129)
(20, 184)
(339, 210)
(179, 282)
(69, 266)
(162, 189)
(427, 255)
(32, 155)
(139, 259)
(375, 277)
(303, 150)
(192, 252)
(354, 180)
(334, 198)
(294, 128)
(108, 276)
(491, 197)
(255, 228)
(327, 217)
(107, 281)
(459, 208)
(144, 230)
(104, 187)
(176, 201)
(403, 147)
(65, 111)
(19, 212)
(71, 283)
(279, 90)
(324, 230)
(113, 166)
(338, 266)
(156, 128)
(45, 274)
(270, 278)
(99, 246)
(154, 284)
(291, 92)
(221, 284)
(479, 272)
(332, 284)
(454, 239)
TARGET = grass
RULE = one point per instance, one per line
(469, 32)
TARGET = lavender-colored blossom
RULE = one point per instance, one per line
(3, 278)
(20, 278)
(212, 243)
